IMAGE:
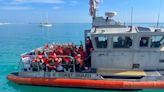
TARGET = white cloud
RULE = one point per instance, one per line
(39, 1)
(15, 8)
(73, 3)
(56, 7)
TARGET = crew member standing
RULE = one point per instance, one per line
(89, 49)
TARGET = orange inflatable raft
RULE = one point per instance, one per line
(84, 83)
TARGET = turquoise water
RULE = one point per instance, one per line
(18, 38)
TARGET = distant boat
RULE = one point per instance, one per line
(45, 24)
(4, 23)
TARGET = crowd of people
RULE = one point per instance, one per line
(59, 57)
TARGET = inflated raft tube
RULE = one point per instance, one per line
(81, 83)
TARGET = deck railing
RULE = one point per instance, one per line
(24, 64)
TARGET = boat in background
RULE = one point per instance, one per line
(4, 23)
(45, 24)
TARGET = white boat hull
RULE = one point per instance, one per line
(46, 25)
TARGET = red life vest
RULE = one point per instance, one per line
(52, 55)
(82, 53)
(40, 56)
(60, 51)
(66, 60)
(79, 60)
(34, 60)
(76, 57)
(57, 61)
(50, 66)
(45, 61)
(67, 52)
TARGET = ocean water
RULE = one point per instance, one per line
(19, 38)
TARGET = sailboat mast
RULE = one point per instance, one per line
(41, 20)
(47, 18)
(159, 14)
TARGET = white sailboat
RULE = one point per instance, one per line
(45, 24)
(3, 23)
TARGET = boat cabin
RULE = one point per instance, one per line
(118, 46)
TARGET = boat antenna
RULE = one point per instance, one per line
(93, 8)
(159, 14)
(131, 18)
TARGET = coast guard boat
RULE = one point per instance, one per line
(116, 57)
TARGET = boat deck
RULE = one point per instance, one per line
(130, 73)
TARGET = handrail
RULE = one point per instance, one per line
(59, 56)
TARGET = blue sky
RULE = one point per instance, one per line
(77, 11)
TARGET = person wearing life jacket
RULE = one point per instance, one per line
(46, 47)
(74, 51)
(75, 48)
(54, 50)
(52, 55)
(67, 51)
(89, 49)
(40, 56)
(89, 46)
(59, 65)
(45, 61)
(60, 51)
(34, 64)
(79, 63)
(81, 51)
(51, 61)
(26, 60)
(66, 60)
(67, 64)
(40, 61)
(51, 65)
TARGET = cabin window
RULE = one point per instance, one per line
(136, 66)
(156, 41)
(101, 42)
(161, 61)
(122, 42)
(144, 42)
